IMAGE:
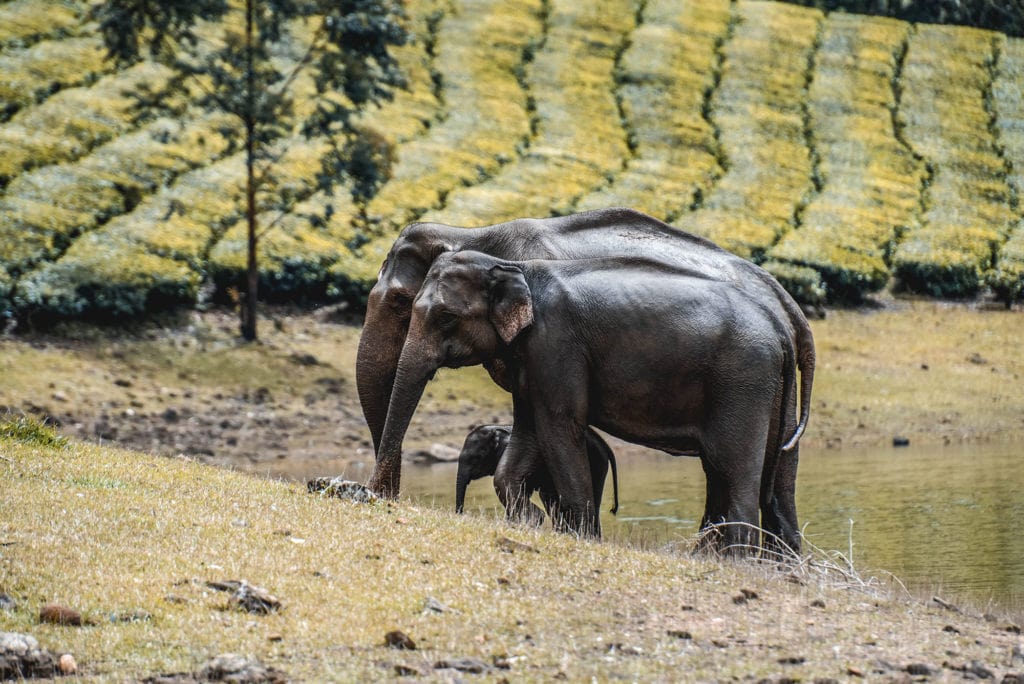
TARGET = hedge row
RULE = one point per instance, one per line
(663, 76)
(946, 77)
(23, 22)
(74, 121)
(579, 142)
(31, 74)
(1007, 275)
(871, 182)
(481, 50)
(758, 111)
(45, 210)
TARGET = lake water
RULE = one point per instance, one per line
(947, 520)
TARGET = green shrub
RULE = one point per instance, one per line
(1007, 276)
(28, 430)
(105, 277)
(803, 283)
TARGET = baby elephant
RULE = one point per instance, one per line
(485, 445)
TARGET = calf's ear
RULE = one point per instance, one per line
(510, 301)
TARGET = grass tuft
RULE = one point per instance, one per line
(28, 430)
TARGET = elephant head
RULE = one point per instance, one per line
(479, 457)
(468, 309)
(388, 310)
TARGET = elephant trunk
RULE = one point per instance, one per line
(462, 481)
(415, 368)
(380, 346)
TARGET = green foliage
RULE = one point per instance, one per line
(28, 430)
(1006, 16)
(804, 283)
(870, 183)
(1007, 276)
(757, 110)
(809, 143)
(947, 75)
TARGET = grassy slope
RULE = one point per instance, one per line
(108, 531)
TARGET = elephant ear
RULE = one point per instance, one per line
(511, 302)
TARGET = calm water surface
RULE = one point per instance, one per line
(948, 519)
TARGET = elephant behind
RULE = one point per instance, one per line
(667, 356)
(485, 445)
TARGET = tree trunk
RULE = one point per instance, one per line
(248, 308)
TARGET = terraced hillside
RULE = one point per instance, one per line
(842, 152)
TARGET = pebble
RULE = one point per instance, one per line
(67, 664)
(399, 639)
(60, 615)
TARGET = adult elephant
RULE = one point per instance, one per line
(485, 446)
(668, 356)
(601, 233)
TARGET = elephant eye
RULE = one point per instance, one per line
(448, 319)
(401, 301)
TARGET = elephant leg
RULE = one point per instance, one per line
(564, 450)
(715, 509)
(778, 488)
(511, 482)
(734, 453)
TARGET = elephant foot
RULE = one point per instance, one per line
(385, 482)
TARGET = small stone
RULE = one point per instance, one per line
(817, 603)
(7, 603)
(67, 664)
(405, 670)
(1012, 678)
(679, 634)
(854, 671)
(512, 546)
(471, 665)
(921, 669)
(1017, 655)
(230, 667)
(248, 597)
(60, 615)
(951, 629)
(399, 639)
(432, 606)
(21, 657)
(900, 441)
(978, 669)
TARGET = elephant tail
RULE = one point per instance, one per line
(615, 481)
(806, 359)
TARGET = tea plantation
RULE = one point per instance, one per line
(844, 153)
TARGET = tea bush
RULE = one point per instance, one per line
(480, 51)
(759, 113)
(670, 64)
(71, 123)
(579, 140)
(946, 78)
(837, 150)
(32, 74)
(871, 183)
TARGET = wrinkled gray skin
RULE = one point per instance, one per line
(606, 232)
(486, 444)
(667, 356)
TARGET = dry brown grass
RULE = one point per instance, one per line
(113, 533)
